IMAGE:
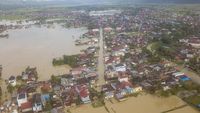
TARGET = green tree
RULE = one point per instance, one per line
(10, 88)
(194, 64)
(0, 92)
(48, 106)
(55, 79)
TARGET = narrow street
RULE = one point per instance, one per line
(101, 64)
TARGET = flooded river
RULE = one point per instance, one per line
(36, 47)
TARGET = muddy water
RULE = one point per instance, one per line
(140, 104)
(37, 47)
(101, 64)
(149, 104)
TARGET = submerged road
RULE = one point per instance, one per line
(101, 65)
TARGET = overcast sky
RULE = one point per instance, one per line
(102, 1)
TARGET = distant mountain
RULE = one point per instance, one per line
(104, 1)
(162, 1)
(90, 2)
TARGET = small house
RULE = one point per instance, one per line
(26, 107)
(120, 67)
(123, 77)
(137, 88)
(37, 103)
(12, 81)
(83, 92)
(22, 98)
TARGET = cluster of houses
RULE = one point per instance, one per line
(71, 89)
(127, 70)
(89, 38)
(22, 87)
(30, 95)
(28, 76)
(190, 48)
(117, 74)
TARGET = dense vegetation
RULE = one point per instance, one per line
(70, 60)
(194, 64)
(166, 44)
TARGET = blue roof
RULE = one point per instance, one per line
(45, 97)
(184, 78)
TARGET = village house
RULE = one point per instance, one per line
(108, 29)
(120, 67)
(84, 81)
(26, 107)
(57, 88)
(67, 81)
(29, 89)
(77, 71)
(123, 77)
(95, 30)
(92, 77)
(118, 53)
(194, 41)
(111, 75)
(122, 89)
(12, 81)
(146, 85)
(37, 103)
(118, 29)
(91, 50)
(137, 88)
(46, 87)
(108, 91)
(56, 102)
(125, 88)
(29, 75)
(113, 60)
(120, 97)
(45, 98)
(21, 98)
(119, 50)
(69, 97)
(84, 93)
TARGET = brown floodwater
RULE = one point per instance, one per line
(140, 104)
(36, 47)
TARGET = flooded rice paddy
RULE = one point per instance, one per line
(140, 104)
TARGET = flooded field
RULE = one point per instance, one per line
(36, 47)
(140, 104)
